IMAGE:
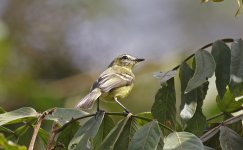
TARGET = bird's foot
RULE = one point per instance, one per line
(98, 112)
(126, 112)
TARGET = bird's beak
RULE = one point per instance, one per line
(139, 59)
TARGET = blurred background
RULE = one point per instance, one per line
(51, 51)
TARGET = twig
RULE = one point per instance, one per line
(206, 46)
(222, 113)
(215, 130)
(37, 127)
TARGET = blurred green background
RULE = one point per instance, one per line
(51, 51)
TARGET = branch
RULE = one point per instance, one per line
(204, 47)
(37, 127)
(215, 130)
(222, 113)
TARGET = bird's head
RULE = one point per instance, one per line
(126, 60)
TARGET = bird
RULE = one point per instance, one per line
(115, 83)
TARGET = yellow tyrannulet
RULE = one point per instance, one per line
(116, 82)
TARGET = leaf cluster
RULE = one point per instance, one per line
(165, 127)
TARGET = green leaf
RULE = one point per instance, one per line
(237, 61)
(229, 139)
(112, 138)
(126, 135)
(63, 115)
(228, 103)
(44, 136)
(165, 76)
(84, 136)
(188, 100)
(182, 141)
(105, 127)
(142, 122)
(205, 67)
(2, 110)
(222, 56)
(147, 137)
(18, 115)
(9, 145)
(236, 84)
(164, 109)
(6, 130)
(197, 124)
(66, 135)
(208, 148)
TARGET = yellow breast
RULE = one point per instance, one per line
(120, 93)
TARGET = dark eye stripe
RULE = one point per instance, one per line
(124, 57)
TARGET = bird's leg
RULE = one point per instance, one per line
(126, 111)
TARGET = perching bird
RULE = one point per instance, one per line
(115, 83)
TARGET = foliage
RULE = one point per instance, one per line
(163, 127)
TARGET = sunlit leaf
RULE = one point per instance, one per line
(205, 67)
(182, 141)
(105, 127)
(228, 103)
(18, 115)
(229, 139)
(84, 136)
(146, 138)
(142, 122)
(112, 138)
(9, 145)
(188, 100)
(164, 109)
(63, 115)
(222, 56)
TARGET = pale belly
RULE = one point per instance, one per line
(120, 93)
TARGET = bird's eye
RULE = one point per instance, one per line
(124, 57)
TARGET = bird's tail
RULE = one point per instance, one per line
(88, 101)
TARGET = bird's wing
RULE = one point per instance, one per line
(111, 80)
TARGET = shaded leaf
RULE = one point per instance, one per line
(147, 137)
(182, 141)
(18, 115)
(229, 139)
(67, 134)
(188, 100)
(222, 56)
(236, 68)
(208, 148)
(237, 61)
(228, 103)
(165, 76)
(84, 136)
(126, 135)
(164, 109)
(112, 138)
(105, 127)
(197, 124)
(6, 130)
(9, 145)
(63, 115)
(44, 136)
(205, 67)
